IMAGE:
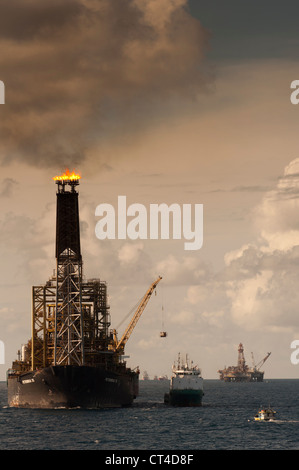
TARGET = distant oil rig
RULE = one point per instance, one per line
(242, 372)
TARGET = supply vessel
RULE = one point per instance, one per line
(73, 358)
(186, 384)
(242, 372)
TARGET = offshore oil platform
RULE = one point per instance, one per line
(73, 359)
(242, 372)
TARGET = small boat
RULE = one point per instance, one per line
(266, 414)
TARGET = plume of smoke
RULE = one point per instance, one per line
(78, 72)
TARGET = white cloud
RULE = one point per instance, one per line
(184, 317)
(247, 303)
(196, 294)
(183, 270)
(130, 252)
(262, 277)
(277, 214)
(214, 318)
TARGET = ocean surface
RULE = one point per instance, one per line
(224, 422)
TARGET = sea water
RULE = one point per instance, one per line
(225, 421)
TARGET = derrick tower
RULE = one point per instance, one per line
(70, 316)
(68, 337)
(241, 359)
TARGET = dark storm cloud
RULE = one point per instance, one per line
(249, 30)
(25, 20)
(80, 71)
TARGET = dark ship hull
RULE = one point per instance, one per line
(72, 387)
(183, 398)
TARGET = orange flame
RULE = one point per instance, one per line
(67, 176)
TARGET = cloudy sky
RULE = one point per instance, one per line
(163, 101)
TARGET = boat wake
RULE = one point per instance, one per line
(277, 421)
(281, 421)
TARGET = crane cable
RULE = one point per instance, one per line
(130, 313)
(163, 333)
(162, 314)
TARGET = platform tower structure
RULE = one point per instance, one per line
(68, 340)
(241, 358)
(70, 316)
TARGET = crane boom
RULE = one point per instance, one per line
(259, 365)
(252, 357)
(120, 345)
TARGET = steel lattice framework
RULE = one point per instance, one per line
(46, 332)
(69, 347)
(70, 315)
(68, 335)
(70, 318)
